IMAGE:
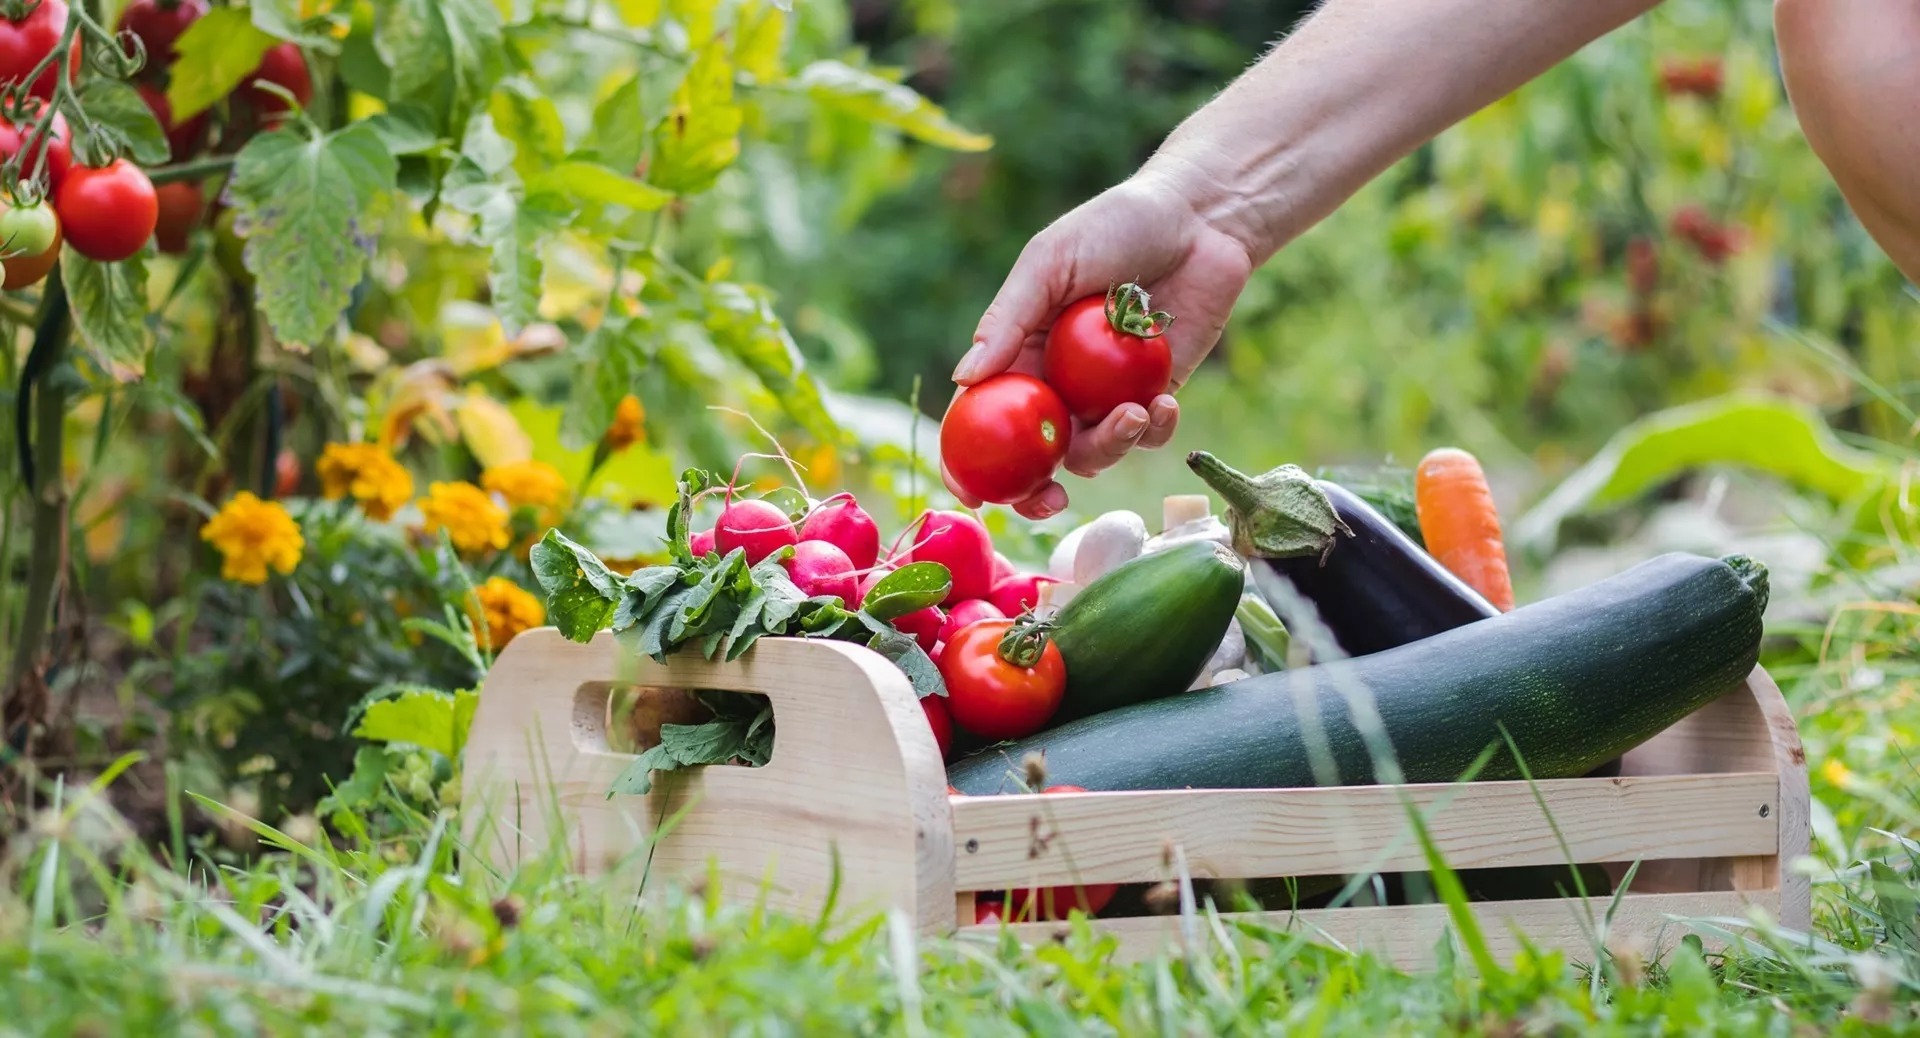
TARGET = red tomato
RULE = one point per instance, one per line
(59, 150)
(181, 205)
(181, 139)
(159, 23)
(22, 271)
(1056, 902)
(286, 473)
(108, 213)
(282, 66)
(1104, 352)
(23, 43)
(940, 721)
(1002, 696)
(1003, 439)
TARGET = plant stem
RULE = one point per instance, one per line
(196, 169)
(47, 555)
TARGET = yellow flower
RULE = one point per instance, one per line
(1836, 773)
(252, 535)
(504, 611)
(368, 473)
(526, 483)
(626, 429)
(469, 515)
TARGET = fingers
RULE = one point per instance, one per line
(1163, 414)
(1095, 448)
(1020, 311)
(1049, 502)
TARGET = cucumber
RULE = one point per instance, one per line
(1577, 680)
(1145, 629)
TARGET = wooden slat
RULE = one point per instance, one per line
(1407, 935)
(1018, 841)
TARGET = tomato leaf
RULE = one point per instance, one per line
(592, 183)
(455, 46)
(700, 135)
(582, 593)
(109, 306)
(525, 116)
(286, 20)
(305, 206)
(860, 93)
(910, 588)
(407, 128)
(116, 108)
(217, 52)
(742, 322)
(759, 31)
(619, 134)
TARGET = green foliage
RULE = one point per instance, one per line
(217, 52)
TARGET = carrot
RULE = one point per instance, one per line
(1460, 523)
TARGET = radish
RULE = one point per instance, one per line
(702, 542)
(1018, 593)
(923, 624)
(758, 526)
(1055, 902)
(1002, 569)
(841, 522)
(940, 719)
(964, 613)
(957, 541)
(819, 568)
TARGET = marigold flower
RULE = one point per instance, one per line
(472, 519)
(504, 610)
(526, 483)
(627, 428)
(367, 473)
(252, 535)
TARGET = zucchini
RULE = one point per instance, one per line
(1577, 680)
(1146, 628)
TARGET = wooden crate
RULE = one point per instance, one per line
(1715, 807)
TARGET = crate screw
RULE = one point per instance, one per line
(973, 846)
(1765, 810)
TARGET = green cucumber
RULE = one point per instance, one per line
(1576, 680)
(1145, 629)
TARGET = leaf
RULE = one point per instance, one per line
(109, 306)
(119, 109)
(788, 500)
(913, 661)
(217, 52)
(516, 231)
(784, 597)
(696, 16)
(287, 20)
(362, 787)
(606, 363)
(644, 590)
(908, 589)
(581, 591)
(525, 116)
(592, 183)
(637, 778)
(742, 322)
(456, 44)
(305, 207)
(407, 128)
(420, 717)
(465, 703)
(860, 93)
(619, 135)
(700, 134)
(1770, 434)
(638, 13)
(759, 30)
(718, 741)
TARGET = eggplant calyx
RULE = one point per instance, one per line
(1280, 514)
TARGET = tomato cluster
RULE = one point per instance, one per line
(108, 212)
(1003, 439)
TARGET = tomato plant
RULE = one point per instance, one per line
(25, 43)
(182, 137)
(25, 271)
(108, 213)
(58, 148)
(1104, 352)
(28, 230)
(159, 23)
(181, 205)
(1004, 678)
(283, 67)
(1002, 440)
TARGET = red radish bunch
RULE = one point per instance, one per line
(819, 568)
(1017, 593)
(841, 522)
(758, 526)
(941, 720)
(957, 541)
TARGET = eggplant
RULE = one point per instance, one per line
(1373, 587)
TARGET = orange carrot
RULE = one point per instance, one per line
(1460, 523)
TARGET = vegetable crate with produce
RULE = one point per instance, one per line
(1293, 712)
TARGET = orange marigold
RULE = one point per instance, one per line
(367, 473)
(504, 610)
(628, 426)
(473, 520)
(252, 535)
(533, 484)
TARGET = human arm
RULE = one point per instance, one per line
(1358, 86)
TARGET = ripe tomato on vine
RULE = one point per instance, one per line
(110, 212)
(27, 41)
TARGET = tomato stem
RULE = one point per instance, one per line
(1025, 641)
(1130, 311)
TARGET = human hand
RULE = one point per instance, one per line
(1149, 230)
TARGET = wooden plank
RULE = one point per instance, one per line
(855, 775)
(1407, 935)
(1029, 840)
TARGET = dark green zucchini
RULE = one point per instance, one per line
(1145, 630)
(1577, 680)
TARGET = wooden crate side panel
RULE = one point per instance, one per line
(1408, 935)
(855, 774)
(1016, 841)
